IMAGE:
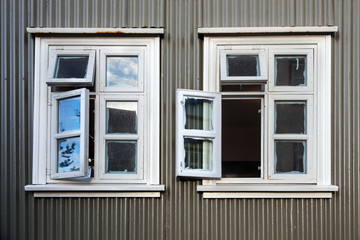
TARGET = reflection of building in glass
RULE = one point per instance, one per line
(121, 121)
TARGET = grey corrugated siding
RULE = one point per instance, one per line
(180, 213)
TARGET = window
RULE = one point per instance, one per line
(96, 114)
(275, 112)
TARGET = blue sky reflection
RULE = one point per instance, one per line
(69, 114)
(122, 72)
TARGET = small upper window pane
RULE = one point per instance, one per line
(290, 117)
(121, 117)
(69, 114)
(71, 67)
(122, 71)
(290, 70)
(243, 65)
(198, 114)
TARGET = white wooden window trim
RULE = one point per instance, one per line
(83, 133)
(42, 109)
(55, 52)
(139, 138)
(213, 135)
(293, 50)
(322, 101)
(122, 51)
(309, 137)
(236, 50)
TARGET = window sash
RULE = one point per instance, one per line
(293, 50)
(308, 137)
(122, 51)
(82, 133)
(100, 166)
(54, 53)
(213, 135)
(244, 52)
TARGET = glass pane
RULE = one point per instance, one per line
(121, 156)
(198, 154)
(121, 117)
(290, 157)
(243, 65)
(290, 117)
(198, 114)
(241, 138)
(71, 67)
(69, 114)
(290, 70)
(122, 72)
(68, 154)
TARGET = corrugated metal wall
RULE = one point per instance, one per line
(180, 213)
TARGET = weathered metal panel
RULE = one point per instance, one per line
(181, 212)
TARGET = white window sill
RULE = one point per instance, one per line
(267, 191)
(95, 190)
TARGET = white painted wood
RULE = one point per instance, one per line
(240, 50)
(55, 52)
(123, 51)
(213, 135)
(97, 194)
(150, 94)
(156, 31)
(139, 137)
(311, 160)
(308, 51)
(267, 30)
(267, 188)
(252, 195)
(83, 133)
(85, 187)
(319, 46)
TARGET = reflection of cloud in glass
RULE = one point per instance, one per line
(69, 155)
(69, 114)
(122, 72)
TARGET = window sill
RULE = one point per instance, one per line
(267, 191)
(95, 190)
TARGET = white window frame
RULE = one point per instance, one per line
(54, 52)
(214, 134)
(42, 115)
(310, 175)
(293, 50)
(122, 51)
(139, 137)
(238, 50)
(322, 106)
(83, 133)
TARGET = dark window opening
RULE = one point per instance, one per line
(241, 138)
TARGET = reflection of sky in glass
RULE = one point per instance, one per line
(69, 154)
(69, 114)
(122, 72)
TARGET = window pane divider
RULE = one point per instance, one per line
(121, 137)
(68, 134)
(291, 137)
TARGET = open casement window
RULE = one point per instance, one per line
(71, 66)
(243, 65)
(275, 127)
(69, 134)
(112, 127)
(198, 134)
